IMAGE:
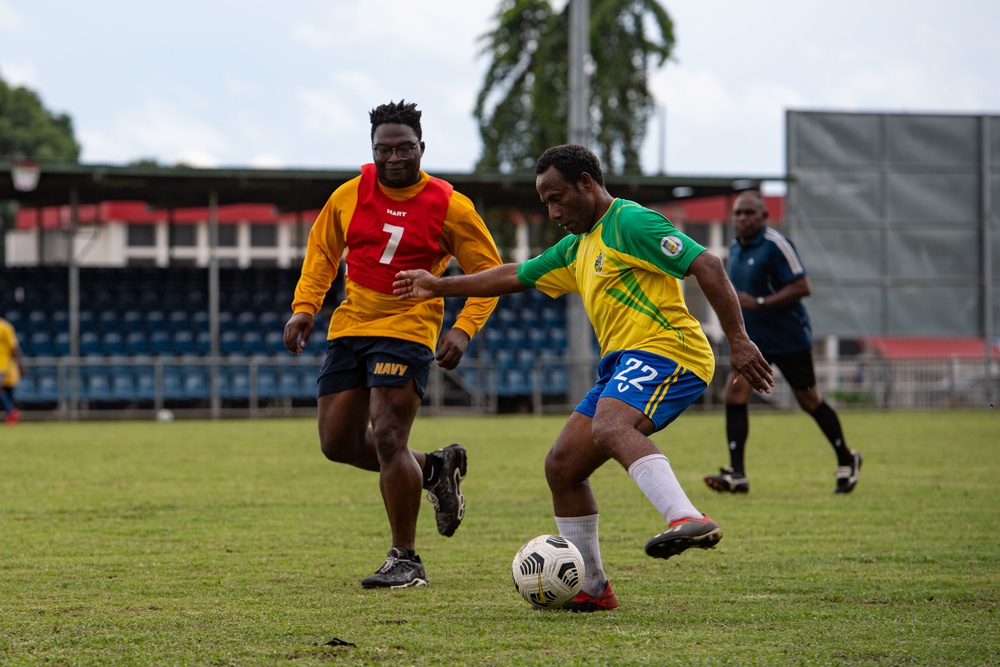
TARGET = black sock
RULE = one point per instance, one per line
(829, 423)
(737, 430)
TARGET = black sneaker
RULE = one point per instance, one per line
(847, 476)
(444, 492)
(398, 571)
(683, 534)
(728, 480)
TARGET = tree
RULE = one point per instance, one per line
(29, 131)
(522, 107)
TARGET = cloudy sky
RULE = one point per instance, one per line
(249, 83)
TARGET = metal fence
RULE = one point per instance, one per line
(134, 387)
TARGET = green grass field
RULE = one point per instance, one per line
(236, 543)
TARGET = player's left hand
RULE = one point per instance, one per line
(451, 348)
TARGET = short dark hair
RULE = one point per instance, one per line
(572, 161)
(402, 113)
(754, 195)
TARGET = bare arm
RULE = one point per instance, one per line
(790, 293)
(423, 285)
(745, 358)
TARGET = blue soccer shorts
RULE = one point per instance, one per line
(373, 361)
(658, 387)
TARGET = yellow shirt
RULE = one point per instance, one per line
(367, 312)
(8, 362)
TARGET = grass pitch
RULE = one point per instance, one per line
(236, 543)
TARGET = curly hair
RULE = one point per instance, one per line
(402, 113)
(572, 161)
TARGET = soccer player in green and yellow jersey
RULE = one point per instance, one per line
(626, 261)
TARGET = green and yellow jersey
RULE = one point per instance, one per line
(628, 270)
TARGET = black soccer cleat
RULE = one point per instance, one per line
(398, 571)
(728, 481)
(444, 490)
(847, 476)
(683, 534)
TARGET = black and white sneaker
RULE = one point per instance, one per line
(729, 481)
(444, 471)
(398, 571)
(847, 476)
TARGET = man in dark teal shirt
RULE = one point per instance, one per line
(770, 283)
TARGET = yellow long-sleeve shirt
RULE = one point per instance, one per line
(367, 312)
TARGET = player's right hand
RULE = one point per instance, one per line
(297, 331)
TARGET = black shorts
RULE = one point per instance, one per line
(370, 361)
(797, 368)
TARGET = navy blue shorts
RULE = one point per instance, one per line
(797, 368)
(656, 386)
(370, 361)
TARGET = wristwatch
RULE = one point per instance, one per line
(760, 302)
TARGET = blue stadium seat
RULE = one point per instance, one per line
(145, 384)
(203, 342)
(123, 385)
(107, 320)
(39, 344)
(515, 337)
(88, 322)
(267, 384)
(60, 343)
(112, 343)
(178, 320)
(173, 384)
(274, 341)
(289, 383)
(160, 342)
(253, 343)
(132, 320)
(200, 321)
(235, 383)
(37, 320)
(184, 342)
(555, 380)
(59, 321)
(46, 384)
(270, 321)
(229, 342)
(514, 382)
(196, 385)
(90, 343)
(135, 343)
(246, 321)
(155, 321)
(97, 386)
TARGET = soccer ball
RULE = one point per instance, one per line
(548, 571)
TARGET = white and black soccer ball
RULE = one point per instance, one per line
(548, 571)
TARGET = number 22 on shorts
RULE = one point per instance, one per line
(639, 371)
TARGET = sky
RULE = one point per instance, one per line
(221, 83)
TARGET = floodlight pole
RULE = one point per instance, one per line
(213, 300)
(580, 334)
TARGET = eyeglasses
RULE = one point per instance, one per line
(383, 152)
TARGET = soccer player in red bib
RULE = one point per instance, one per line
(392, 217)
(626, 261)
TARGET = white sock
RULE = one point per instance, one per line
(582, 532)
(657, 480)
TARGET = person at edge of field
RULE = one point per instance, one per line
(771, 282)
(626, 261)
(11, 370)
(393, 216)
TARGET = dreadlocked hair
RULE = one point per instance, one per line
(402, 114)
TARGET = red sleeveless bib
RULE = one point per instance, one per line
(387, 236)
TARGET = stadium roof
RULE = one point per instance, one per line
(302, 189)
